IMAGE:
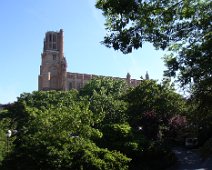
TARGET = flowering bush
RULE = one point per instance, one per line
(178, 121)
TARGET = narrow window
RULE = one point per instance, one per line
(79, 86)
(50, 45)
(54, 38)
(49, 75)
(54, 46)
(54, 56)
(70, 85)
(50, 37)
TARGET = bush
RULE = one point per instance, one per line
(92, 157)
(158, 156)
(206, 149)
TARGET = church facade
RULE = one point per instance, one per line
(53, 69)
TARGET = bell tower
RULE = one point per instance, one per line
(53, 65)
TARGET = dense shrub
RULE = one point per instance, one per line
(206, 149)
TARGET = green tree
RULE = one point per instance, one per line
(132, 22)
(152, 105)
(5, 143)
(7, 126)
(105, 96)
(106, 85)
(182, 27)
(56, 132)
(200, 119)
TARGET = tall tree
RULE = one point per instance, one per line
(105, 95)
(183, 27)
(132, 22)
(152, 105)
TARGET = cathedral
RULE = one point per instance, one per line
(53, 70)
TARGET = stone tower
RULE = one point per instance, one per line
(53, 66)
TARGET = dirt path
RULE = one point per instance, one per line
(189, 159)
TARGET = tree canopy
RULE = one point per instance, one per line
(132, 22)
(105, 96)
(55, 132)
(89, 129)
(182, 27)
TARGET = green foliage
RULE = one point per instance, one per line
(55, 128)
(44, 99)
(94, 158)
(92, 129)
(5, 149)
(105, 96)
(130, 23)
(157, 156)
(150, 96)
(136, 146)
(206, 149)
(200, 119)
(117, 132)
(183, 27)
(122, 137)
(6, 143)
(105, 85)
(151, 106)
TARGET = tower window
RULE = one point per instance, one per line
(70, 85)
(79, 86)
(50, 37)
(54, 45)
(54, 56)
(50, 45)
(54, 38)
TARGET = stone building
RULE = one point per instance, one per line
(53, 69)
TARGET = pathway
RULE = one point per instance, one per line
(189, 159)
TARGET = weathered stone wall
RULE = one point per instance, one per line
(78, 80)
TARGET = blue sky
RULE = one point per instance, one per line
(23, 26)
